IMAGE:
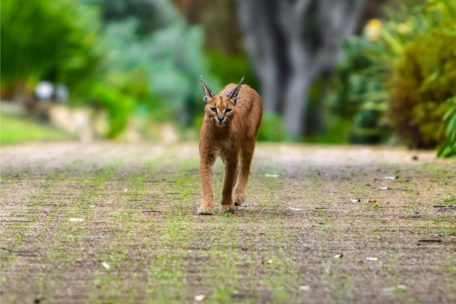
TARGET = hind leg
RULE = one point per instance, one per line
(245, 160)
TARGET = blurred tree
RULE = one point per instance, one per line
(291, 43)
(219, 21)
(223, 41)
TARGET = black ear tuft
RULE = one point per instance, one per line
(234, 93)
(207, 92)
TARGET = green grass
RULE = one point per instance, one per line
(16, 129)
(450, 201)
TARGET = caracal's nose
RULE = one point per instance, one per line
(220, 119)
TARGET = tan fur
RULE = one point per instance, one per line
(233, 140)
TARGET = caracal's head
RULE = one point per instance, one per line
(220, 108)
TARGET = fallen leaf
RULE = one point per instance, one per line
(371, 201)
(106, 265)
(338, 256)
(200, 297)
(372, 259)
(76, 219)
(304, 287)
(393, 289)
(271, 175)
(295, 209)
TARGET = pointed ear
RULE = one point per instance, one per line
(234, 93)
(207, 92)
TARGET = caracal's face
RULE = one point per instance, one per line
(220, 110)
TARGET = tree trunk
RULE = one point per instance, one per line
(290, 42)
(263, 46)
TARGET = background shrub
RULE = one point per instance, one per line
(421, 83)
(395, 79)
(448, 147)
(271, 128)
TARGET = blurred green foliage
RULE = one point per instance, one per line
(271, 128)
(125, 58)
(230, 68)
(421, 82)
(46, 39)
(398, 75)
(148, 73)
(142, 59)
(154, 71)
(448, 147)
(358, 94)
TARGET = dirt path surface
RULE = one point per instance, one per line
(112, 223)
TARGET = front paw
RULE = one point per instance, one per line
(205, 210)
(238, 200)
(228, 208)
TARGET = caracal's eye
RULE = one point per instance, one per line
(228, 110)
(213, 110)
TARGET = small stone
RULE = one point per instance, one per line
(200, 298)
(372, 259)
(106, 265)
(304, 288)
(271, 175)
(394, 289)
(76, 219)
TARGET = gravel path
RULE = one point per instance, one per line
(113, 223)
